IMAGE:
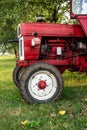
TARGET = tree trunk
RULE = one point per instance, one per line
(15, 52)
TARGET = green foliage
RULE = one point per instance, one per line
(14, 110)
(13, 12)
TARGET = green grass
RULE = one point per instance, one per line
(14, 110)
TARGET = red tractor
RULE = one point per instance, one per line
(57, 47)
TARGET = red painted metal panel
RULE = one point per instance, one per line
(30, 52)
(83, 23)
(44, 29)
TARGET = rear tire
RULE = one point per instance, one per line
(41, 83)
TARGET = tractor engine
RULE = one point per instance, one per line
(59, 48)
(64, 47)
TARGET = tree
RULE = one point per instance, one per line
(13, 12)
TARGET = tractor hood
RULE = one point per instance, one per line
(45, 29)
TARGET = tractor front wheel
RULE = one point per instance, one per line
(41, 83)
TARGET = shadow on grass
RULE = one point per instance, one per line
(73, 92)
(12, 96)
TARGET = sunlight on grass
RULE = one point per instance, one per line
(14, 110)
(75, 79)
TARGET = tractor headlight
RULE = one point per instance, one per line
(21, 48)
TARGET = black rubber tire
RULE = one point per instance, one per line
(18, 70)
(35, 68)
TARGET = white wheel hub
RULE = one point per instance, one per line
(42, 85)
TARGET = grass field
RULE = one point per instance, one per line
(16, 114)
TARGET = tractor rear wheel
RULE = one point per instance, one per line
(18, 70)
(41, 83)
